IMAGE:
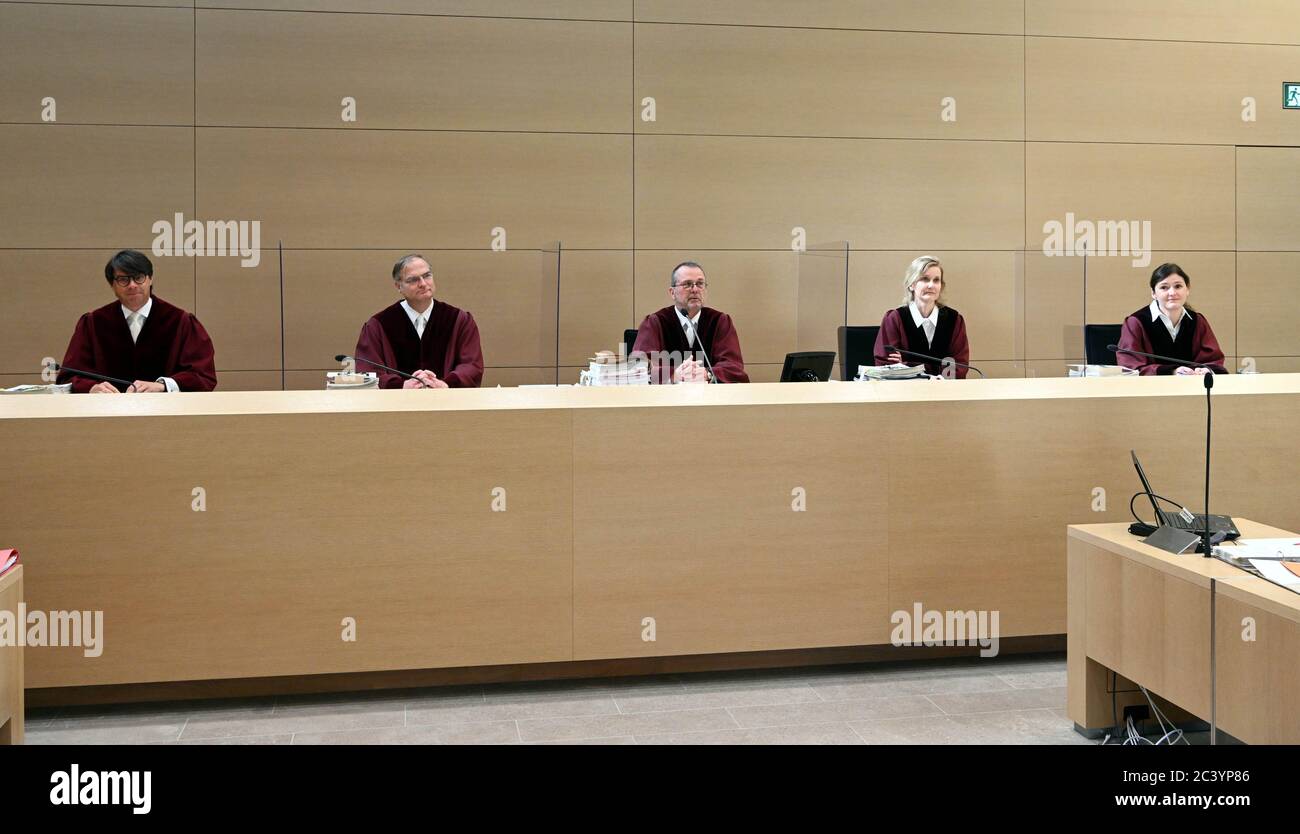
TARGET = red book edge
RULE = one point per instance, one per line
(4, 560)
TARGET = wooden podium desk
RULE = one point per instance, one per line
(11, 664)
(236, 535)
(1257, 682)
(1146, 615)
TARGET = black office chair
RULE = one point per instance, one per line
(629, 339)
(857, 347)
(1095, 339)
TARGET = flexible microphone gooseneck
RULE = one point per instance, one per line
(1206, 543)
(92, 375)
(343, 357)
(713, 378)
(934, 359)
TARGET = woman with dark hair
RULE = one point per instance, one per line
(1169, 327)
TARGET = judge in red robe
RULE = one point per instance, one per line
(433, 341)
(1168, 327)
(138, 338)
(924, 324)
(672, 338)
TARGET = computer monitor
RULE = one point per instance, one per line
(808, 366)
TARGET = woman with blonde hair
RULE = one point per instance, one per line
(924, 324)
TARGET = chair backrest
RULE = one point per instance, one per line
(857, 347)
(1095, 339)
(629, 339)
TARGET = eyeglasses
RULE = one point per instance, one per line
(415, 279)
(690, 285)
(123, 280)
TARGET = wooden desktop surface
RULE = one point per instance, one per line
(512, 526)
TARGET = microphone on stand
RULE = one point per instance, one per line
(713, 378)
(1206, 543)
(934, 359)
(343, 357)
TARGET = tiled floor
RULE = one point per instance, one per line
(1013, 700)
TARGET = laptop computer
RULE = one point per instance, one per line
(1218, 523)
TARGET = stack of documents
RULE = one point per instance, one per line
(38, 389)
(898, 371)
(340, 380)
(606, 369)
(1101, 370)
(1277, 560)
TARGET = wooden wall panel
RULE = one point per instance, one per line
(251, 380)
(1244, 21)
(390, 189)
(761, 81)
(515, 114)
(46, 291)
(105, 65)
(980, 285)
(1054, 311)
(1116, 288)
(748, 193)
(558, 9)
(1185, 192)
(757, 289)
(1268, 196)
(1266, 284)
(1004, 17)
(595, 303)
(413, 72)
(1170, 93)
(68, 186)
(240, 308)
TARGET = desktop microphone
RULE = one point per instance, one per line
(128, 383)
(713, 378)
(1206, 543)
(343, 357)
(1171, 360)
(934, 359)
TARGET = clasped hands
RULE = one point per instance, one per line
(691, 370)
(1183, 370)
(140, 386)
(424, 379)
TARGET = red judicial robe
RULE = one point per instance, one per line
(172, 343)
(661, 333)
(1195, 343)
(449, 347)
(898, 329)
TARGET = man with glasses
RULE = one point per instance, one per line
(431, 340)
(139, 338)
(679, 338)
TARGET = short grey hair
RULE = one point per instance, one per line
(914, 272)
(404, 261)
(672, 277)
